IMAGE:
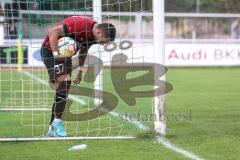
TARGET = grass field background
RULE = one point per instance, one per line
(203, 117)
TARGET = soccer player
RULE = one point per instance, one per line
(86, 32)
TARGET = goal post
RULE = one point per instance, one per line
(159, 52)
(97, 15)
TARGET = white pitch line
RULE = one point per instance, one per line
(165, 142)
(132, 121)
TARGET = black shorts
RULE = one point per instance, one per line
(55, 68)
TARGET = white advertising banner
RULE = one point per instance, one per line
(176, 54)
(202, 54)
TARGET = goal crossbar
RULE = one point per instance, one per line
(167, 14)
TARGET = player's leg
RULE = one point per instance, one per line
(62, 76)
(60, 100)
(63, 85)
(59, 73)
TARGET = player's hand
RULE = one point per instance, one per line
(79, 76)
(59, 57)
(77, 80)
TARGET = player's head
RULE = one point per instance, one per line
(104, 33)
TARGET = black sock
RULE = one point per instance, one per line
(60, 100)
(52, 114)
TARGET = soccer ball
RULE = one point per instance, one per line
(67, 47)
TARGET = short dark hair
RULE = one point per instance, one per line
(108, 30)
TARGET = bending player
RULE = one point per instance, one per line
(86, 32)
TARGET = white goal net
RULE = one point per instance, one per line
(121, 73)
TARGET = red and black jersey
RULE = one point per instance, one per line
(77, 27)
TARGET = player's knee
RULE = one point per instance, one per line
(65, 77)
(53, 84)
(62, 90)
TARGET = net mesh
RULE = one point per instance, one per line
(26, 98)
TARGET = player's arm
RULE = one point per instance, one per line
(81, 59)
(53, 34)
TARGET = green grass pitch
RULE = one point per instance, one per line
(202, 110)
